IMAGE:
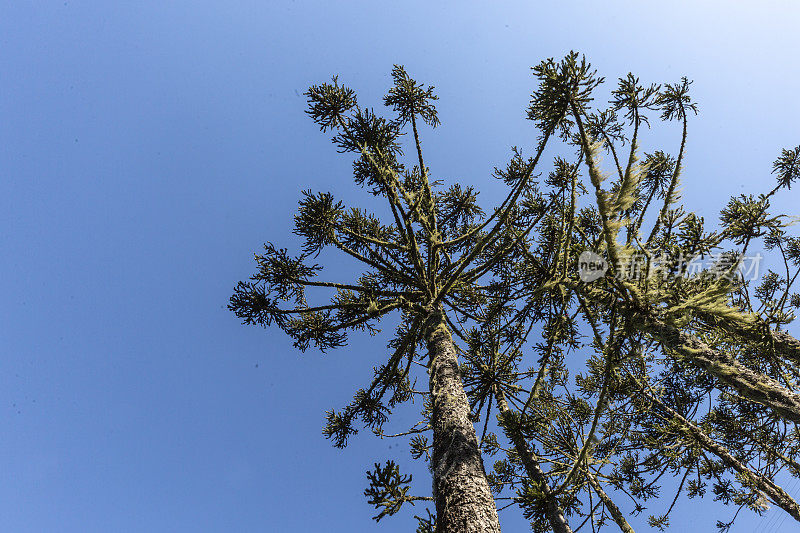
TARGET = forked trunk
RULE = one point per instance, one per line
(464, 503)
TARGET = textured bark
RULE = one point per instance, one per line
(532, 468)
(615, 511)
(787, 345)
(775, 493)
(464, 503)
(784, 344)
(748, 383)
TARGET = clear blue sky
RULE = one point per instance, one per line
(148, 148)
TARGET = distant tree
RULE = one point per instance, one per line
(684, 371)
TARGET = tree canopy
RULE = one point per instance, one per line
(672, 365)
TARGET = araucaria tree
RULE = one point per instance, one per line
(428, 254)
(686, 372)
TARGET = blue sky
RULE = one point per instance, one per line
(148, 148)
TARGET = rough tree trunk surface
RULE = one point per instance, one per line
(748, 383)
(782, 342)
(464, 503)
(787, 345)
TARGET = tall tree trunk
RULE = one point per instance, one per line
(464, 503)
(782, 342)
(615, 511)
(787, 345)
(754, 386)
(775, 493)
(750, 384)
(532, 468)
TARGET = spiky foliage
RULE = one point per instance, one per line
(388, 490)
(430, 251)
(434, 249)
(673, 364)
(688, 372)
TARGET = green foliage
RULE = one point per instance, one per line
(569, 81)
(634, 98)
(328, 102)
(426, 524)
(746, 218)
(675, 101)
(388, 490)
(787, 167)
(409, 99)
(600, 388)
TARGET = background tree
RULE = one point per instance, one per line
(683, 368)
